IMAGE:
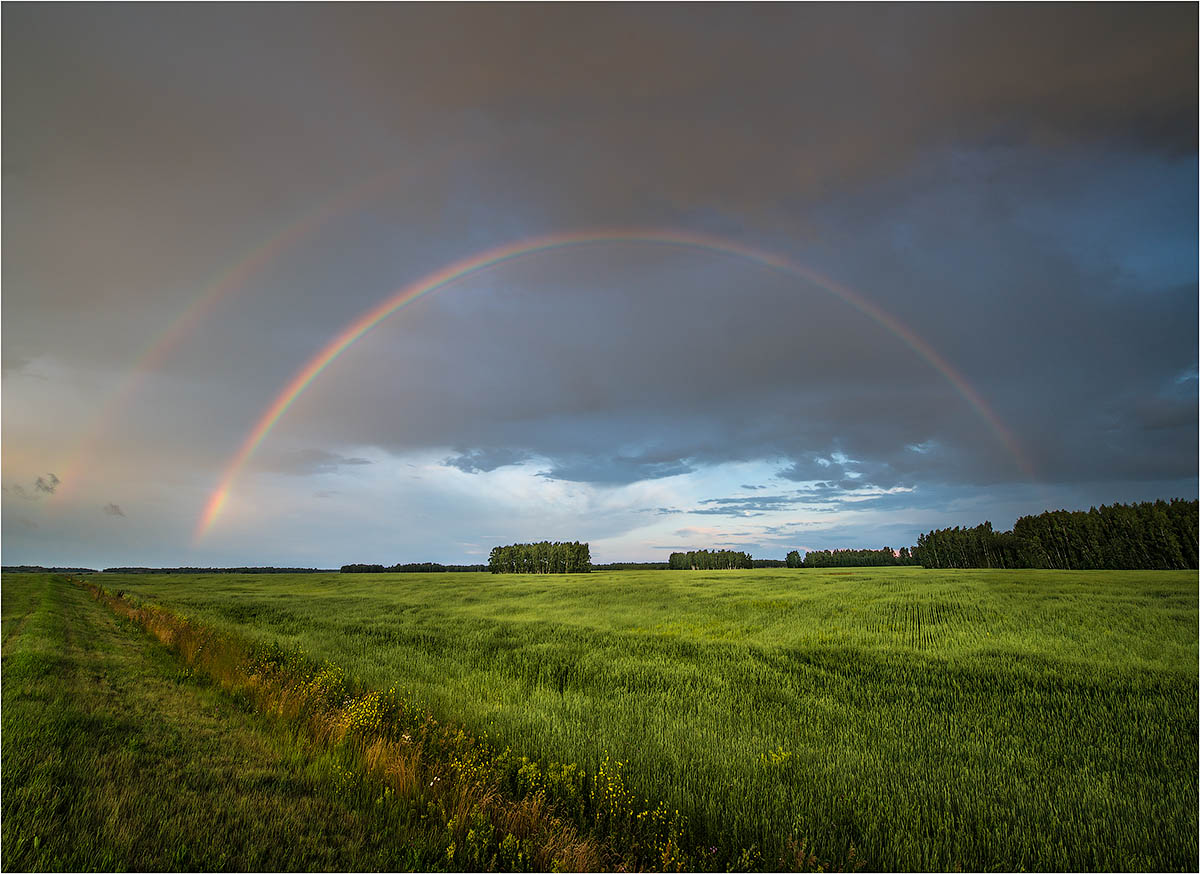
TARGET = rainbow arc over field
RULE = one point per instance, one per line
(473, 264)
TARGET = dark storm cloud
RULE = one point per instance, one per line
(47, 484)
(1014, 183)
(704, 373)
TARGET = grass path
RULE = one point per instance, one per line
(114, 757)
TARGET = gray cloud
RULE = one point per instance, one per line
(484, 460)
(1013, 183)
(755, 506)
(47, 484)
(614, 471)
(111, 509)
(307, 462)
(818, 497)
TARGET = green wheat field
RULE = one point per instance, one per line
(876, 719)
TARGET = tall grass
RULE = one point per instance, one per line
(922, 719)
(421, 765)
(116, 757)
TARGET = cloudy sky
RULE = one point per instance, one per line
(951, 275)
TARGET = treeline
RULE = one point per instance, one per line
(632, 566)
(706, 560)
(216, 570)
(38, 569)
(1159, 535)
(415, 567)
(541, 558)
(884, 557)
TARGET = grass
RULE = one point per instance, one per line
(115, 757)
(919, 719)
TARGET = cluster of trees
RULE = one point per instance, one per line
(885, 557)
(981, 546)
(1159, 535)
(216, 570)
(705, 560)
(416, 567)
(541, 558)
(632, 566)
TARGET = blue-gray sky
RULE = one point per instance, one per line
(1016, 184)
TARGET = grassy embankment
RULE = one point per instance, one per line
(117, 757)
(930, 719)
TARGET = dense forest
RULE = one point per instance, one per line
(714, 560)
(884, 557)
(415, 567)
(541, 558)
(1159, 535)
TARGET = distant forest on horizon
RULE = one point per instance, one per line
(1151, 535)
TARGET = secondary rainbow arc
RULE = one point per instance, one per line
(492, 257)
(253, 260)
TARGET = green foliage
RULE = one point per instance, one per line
(1161, 536)
(884, 557)
(541, 558)
(705, 560)
(419, 567)
(898, 717)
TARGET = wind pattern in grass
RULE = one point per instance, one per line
(922, 719)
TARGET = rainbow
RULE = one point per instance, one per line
(528, 247)
(252, 261)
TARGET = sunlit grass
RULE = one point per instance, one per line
(1030, 719)
(115, 757)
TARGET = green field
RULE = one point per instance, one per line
(928, 719)
(115, 758)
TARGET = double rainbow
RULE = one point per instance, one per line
(525, 248)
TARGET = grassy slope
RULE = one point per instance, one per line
(932, 719)
(114, 758)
